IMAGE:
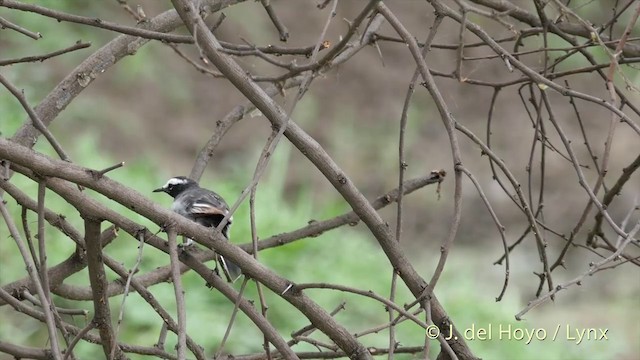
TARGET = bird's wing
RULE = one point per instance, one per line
(209, 203)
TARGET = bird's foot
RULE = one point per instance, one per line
(187, 244)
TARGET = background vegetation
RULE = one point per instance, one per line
(154, 112)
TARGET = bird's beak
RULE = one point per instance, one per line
(160, 190)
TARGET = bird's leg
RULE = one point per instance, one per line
(186, 243)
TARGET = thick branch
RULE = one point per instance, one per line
(98, 280)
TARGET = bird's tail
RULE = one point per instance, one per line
(231, 271)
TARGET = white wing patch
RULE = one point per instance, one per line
(204, 208)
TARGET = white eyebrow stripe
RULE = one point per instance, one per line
(174, 181)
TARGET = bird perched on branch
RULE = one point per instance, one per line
(203, 206)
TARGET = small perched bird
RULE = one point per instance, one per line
(204, 207)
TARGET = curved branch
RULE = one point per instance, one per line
(94, 66)
(319, 157)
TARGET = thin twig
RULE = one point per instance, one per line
(309, 329)
(227, 332)
(102, 172)
(365, 293)
(69, 350)
(401, 171)
(282, 29)
(178, 291)
(27, 236)
(162, 337)
(449, 123)
(132, 272)
(276, 136)
(6, 24)
(499, 225)
(27, 295)
(46, 306)
(96, 22)
(77, 46)
(37, 123)
(42, 248)
(593, 268)
(461, 45)
(316, 228)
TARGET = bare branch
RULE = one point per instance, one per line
(98, 280)
(282, 30)
(97, 22)
(6, 24)
(44, 300)
(35, 119)
(77, 46)
(179, 292)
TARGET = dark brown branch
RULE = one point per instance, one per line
(593, 268)
(68, 267)
(242, 50)
(98, 280)
(28, 238)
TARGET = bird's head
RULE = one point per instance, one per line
(176, 185)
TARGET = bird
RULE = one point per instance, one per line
(203, 206)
